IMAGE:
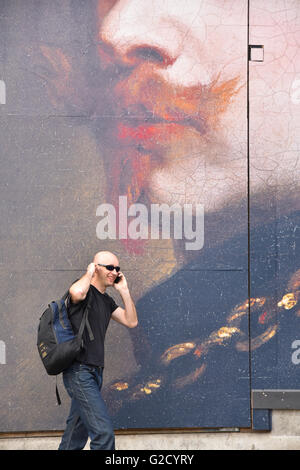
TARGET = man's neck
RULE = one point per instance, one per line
(99, 286)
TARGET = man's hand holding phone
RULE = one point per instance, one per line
(120, 282)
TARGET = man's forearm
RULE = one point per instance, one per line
(130, 310)
(79, 289)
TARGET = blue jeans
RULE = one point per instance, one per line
(88, 415)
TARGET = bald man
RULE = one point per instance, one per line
(88, 415)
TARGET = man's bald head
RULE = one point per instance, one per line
(106, 257)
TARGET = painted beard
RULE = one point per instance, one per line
(161, 143)
(154, 128)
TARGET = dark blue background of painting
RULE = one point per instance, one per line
(195, 302)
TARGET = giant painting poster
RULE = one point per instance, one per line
(142, 128)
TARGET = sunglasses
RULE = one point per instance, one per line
(110, 267)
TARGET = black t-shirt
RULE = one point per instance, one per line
(101, 308)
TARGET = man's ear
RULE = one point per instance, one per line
(96, 269)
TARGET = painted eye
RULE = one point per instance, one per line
(154, 55)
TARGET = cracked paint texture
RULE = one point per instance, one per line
(155, 101)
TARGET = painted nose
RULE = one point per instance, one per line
(141, 31)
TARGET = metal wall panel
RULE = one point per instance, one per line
(274, 143)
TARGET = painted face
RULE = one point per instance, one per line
(177, 100)
(178, 94)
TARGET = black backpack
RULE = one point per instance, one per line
(56, 342)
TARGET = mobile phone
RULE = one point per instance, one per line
(118, 279)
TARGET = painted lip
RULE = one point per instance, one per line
(160, 130)
(146, 107)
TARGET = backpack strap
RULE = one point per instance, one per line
(57, 394)
(64, 300)
(88, 326)
(60, 303)
(84, 321)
